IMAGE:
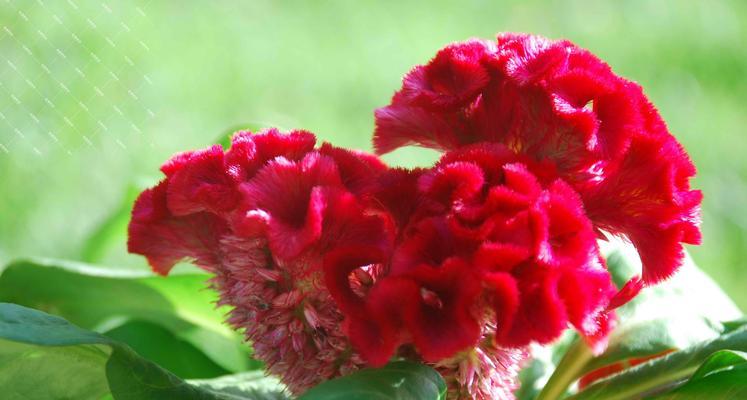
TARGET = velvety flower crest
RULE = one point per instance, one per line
(491, 243)
(558, 103)
(260, 216)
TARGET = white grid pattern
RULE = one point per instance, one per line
(32, 124)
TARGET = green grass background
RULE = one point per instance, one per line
(95, 95)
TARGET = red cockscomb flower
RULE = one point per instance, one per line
(489, 242)
(260, 217)
(556, 102)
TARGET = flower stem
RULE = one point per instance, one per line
(567, 371)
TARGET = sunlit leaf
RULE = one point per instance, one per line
(168, 350)
(254, 385)
(661, 373)
(102, 299)
(45, 357)
(722, 376)
(397, 380)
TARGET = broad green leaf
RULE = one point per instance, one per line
(660, 373)
(734, 324)
(45, 357)
(102, 299)
(33, 372)
(253, 385)
(397, 380)
(723, 375)
(718, 361)
(675, 314)
(163, 347)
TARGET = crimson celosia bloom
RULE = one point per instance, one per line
(260, 217)
(331, 260)
(494, 238)
(558, 103)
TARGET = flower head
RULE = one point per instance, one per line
(261, 216)
(557, 103)
(490, 242)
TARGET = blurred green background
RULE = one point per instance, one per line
(95, 95)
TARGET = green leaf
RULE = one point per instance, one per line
(719, 361)
(734, 324)
(77, 371)
(675, 314)
(102, 299)
(723, 375)
(253, 385)
(45, 357)
(397, 380)
(661, 373)
(162, 346)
